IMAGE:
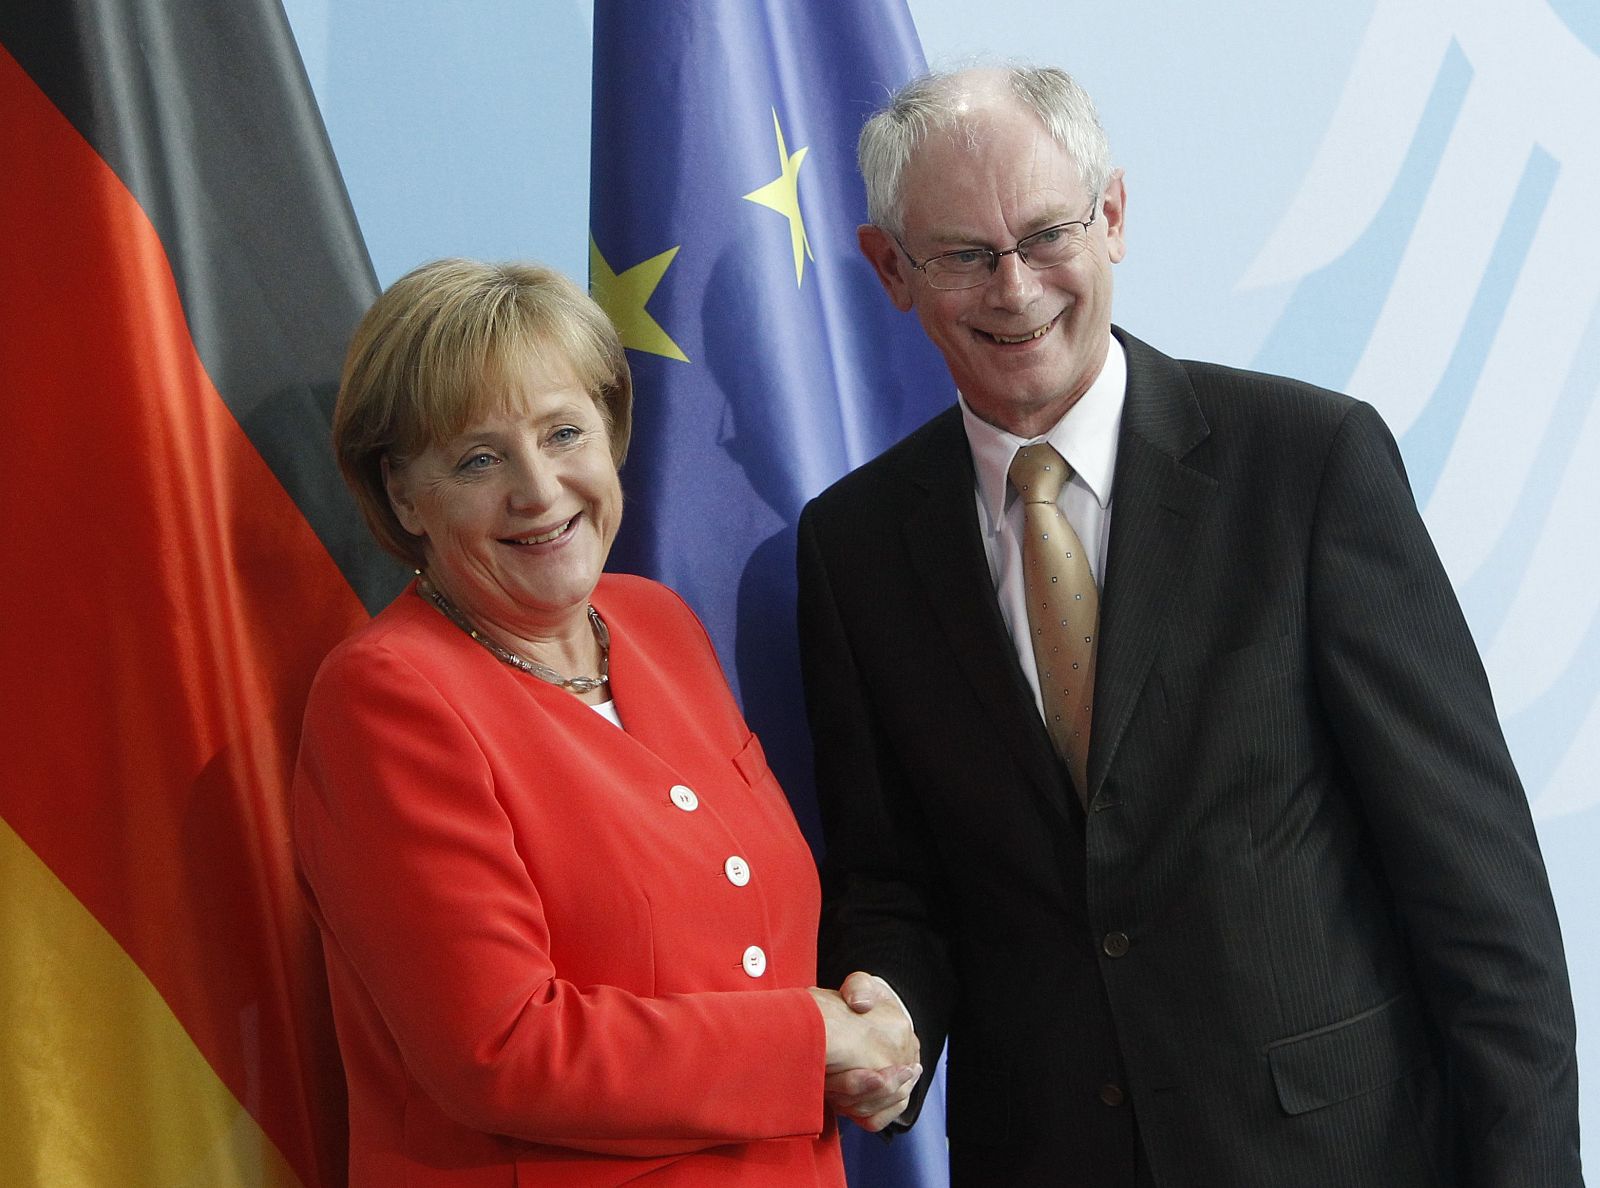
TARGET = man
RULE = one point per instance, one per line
(1260, 901)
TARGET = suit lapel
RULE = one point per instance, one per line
(943, 541)
(1158, 500)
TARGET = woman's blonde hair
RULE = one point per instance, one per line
(426, 357)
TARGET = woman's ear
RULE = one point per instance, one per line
(400, 496)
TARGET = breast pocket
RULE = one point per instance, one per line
(1235, 677)
(752, 763)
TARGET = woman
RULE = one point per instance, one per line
(568, 919)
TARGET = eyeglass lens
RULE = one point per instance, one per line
(1043, 249)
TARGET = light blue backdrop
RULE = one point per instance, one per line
(1397, 198)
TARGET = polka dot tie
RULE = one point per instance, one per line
(1063, 606)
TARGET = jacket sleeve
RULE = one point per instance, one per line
(881, 907)
(414, 871)
(1405, 691)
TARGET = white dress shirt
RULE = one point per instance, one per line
(1087, 438)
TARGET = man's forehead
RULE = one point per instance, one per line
(1002, 137)
(983, 86)
(978, 118)
(960, 178)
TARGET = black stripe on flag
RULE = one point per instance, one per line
(203, 109)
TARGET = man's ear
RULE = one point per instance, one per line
(1114, 208)
(400, 498)
(887, 260)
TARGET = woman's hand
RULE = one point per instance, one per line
(872, 1051)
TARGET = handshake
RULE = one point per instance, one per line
(873, 1055)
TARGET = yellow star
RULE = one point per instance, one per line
(623, 298)
(782, 194)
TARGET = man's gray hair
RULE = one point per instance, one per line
(937, 102)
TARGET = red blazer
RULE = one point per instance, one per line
(560, 953)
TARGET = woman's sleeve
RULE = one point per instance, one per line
(414, 871)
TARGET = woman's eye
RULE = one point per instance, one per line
(479, 461)
(566, 435)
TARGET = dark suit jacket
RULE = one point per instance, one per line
(1303, 935)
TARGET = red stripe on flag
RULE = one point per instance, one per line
(165, 608)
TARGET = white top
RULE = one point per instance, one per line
(1087, 438)
(608, 710)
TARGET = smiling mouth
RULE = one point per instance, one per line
(1013, 339)
(543, 537)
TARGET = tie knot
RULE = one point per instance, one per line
(1038, 473)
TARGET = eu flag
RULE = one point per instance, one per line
(767, 361)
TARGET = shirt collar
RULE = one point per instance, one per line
(1086, 437)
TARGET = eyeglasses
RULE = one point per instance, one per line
(970, 267)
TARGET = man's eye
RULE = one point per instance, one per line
(1049, 236)
(967, 259)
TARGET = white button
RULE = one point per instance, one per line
(755, 961)
(737, 870)
(684, 798)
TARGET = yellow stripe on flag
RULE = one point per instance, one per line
(99, 1084)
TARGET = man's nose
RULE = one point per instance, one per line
(1013, 284)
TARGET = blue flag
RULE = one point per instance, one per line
(767, 360)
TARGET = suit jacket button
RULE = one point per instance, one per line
(684, 798)
(755, 961)
(1112, 1094)
(737, 870)
(1115, 944)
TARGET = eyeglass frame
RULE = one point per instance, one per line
(1019, 250)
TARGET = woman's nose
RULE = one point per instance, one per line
(535, 485)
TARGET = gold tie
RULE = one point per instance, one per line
(1063, 606)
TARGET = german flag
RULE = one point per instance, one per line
(180, 270)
